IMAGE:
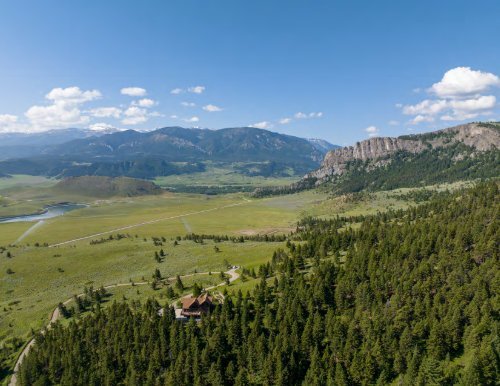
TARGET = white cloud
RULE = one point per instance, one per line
(72, 95)
(301, 115)
(462, 81)
(426, 107)
(285, 121)
(64, 110)
(101, 126)
(188, 104)
(394, 123)
(173, 116)
(372, 131)
(106, 112)
(135, 115)
(422, 118)
(145, 102)
(452, 109)
(176, 91)
(192, 119)
(53, 116)
(211, 108)
(262, 125)
(473, 105)
(133, 91)
(196, 89)
(9, 123)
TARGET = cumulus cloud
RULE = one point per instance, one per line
(461, 81)
(192, 120)
(426, 107)
(64, 110)
(9, 123)
(458, 99)
(285, 121)
(72, 95)
(393, 123)
(211, 108)
(262, 125)
(196, 89)
(106, 112)
(188, 104)
(133, 91)
(176, 91)
(134, 115)
(372, 131)
(300, 115)
(451, 109)
(54, 116)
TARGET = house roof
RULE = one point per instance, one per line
(192, 301)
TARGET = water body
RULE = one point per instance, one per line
(49, 212)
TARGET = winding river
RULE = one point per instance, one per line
(49, 212)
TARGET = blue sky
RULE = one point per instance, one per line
(338, 70)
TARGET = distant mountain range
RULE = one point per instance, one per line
(20, 145)
(165, 151)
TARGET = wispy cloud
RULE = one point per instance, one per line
(372, 131)
(133, 91)
(211, 108)
(196, 89)
(262, 125)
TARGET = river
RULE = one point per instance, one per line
(49, 212)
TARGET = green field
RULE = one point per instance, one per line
(40, 277)
(216, 175)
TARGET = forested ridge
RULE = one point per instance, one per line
(407, 297)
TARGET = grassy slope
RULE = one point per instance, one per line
(30, 294)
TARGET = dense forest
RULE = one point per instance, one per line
(407, 297)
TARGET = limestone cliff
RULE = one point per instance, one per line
(479, 137)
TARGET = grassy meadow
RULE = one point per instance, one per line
(35, 278)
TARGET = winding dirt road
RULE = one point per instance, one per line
(56, 314)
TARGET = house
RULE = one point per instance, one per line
(196, 306)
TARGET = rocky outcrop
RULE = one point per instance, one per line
(477, 136)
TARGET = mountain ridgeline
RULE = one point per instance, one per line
(170, 150)
(464, 152)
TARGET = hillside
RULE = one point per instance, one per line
(461, 152)
(94, 186)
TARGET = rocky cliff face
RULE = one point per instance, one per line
(378, 150)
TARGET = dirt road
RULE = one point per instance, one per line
(56, 314)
